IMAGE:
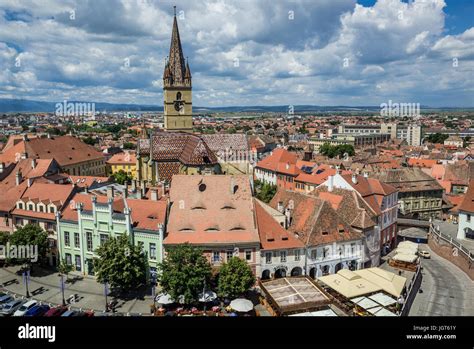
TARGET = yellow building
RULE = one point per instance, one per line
(178, 111)
(123, 161)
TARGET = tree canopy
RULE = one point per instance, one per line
(184, 272)
(120, 263)
(332, 151)
(121, 177)
(437, 138)
(235, 278)
(31, 235)
(265, 191)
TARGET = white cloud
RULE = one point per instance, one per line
(328, 53)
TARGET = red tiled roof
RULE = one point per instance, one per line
(66, 150)
(279, 160)
(147, 214)
(272, 235)
(127, 158)
(34, 214)
(211, 209)
(467, 204)
(427, 163)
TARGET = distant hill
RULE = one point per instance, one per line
(24, 105)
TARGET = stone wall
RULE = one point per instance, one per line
(451, 253)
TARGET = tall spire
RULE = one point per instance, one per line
(176, 62)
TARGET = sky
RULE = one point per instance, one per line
(241, 53)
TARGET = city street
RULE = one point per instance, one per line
(89, 293)
(447, 290)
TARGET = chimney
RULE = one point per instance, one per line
(143, 188)
(338, 170)
(86, 189)
(154, 194)
(2, 167)
(25, 137)
(330, 183)
(33, 163)
(287, 166)
(287, 217)
(280, 206)
(354, 178)
(48, 135)
(18, 178)
(366, 174)
(24, 156)
(110, 192)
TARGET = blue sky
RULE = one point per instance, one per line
(265, 52)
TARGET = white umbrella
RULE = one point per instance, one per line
(208, 296)
(241, 304)
(164, 298)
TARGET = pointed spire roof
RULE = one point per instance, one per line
(176, 62)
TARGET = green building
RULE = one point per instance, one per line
(90, 220)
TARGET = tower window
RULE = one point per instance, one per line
(178, 96)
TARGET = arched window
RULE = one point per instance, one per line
(178, 96)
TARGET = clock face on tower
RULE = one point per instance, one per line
(178, 105)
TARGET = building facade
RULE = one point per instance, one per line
(91, 220)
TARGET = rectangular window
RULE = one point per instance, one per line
(297, 255)
(89, 241)
(78, 263)
(268, 258)
(152, 251)
(77, 243)
(313, 254)
(468, 217)
(229, 255)
(103, 239)
(248, 255)
(282, 256)
(216, 257)
(67, 241)
(68, 259)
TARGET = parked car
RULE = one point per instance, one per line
(5, 299)
(37, 310)
(424, 254)
(57, 311)
(12, 306)
(68, 313)
(25, 307)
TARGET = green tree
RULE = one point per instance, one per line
(266, 191)
(184, 272)
(4, 237)
(128, 145)
(120, 263)
(89, 140)
(65, 268)
(121, 177)
(437, 138)
(31, 235)
(235, 278)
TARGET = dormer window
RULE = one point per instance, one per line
(52, 209)
(31, 207)
(20, 205)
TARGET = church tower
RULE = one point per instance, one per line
(178, 112)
